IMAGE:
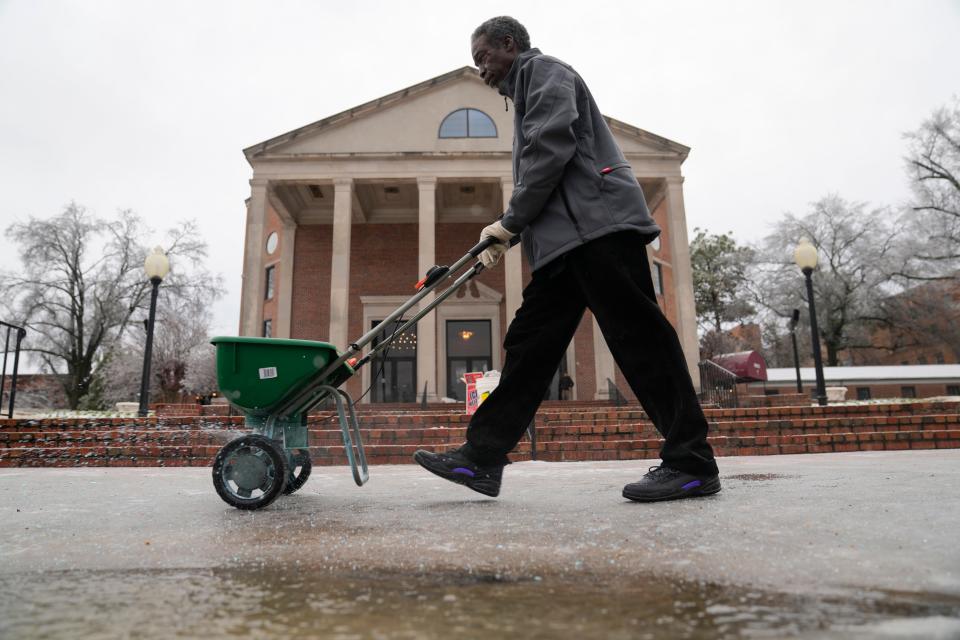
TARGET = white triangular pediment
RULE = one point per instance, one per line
(408, 121)
(635, 141)
(410, 124)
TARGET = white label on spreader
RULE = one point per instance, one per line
(268, 372)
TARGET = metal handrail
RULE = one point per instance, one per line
(21, 332)
(718, 385)
(532, 434)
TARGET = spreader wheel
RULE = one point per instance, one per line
(299, 470)
(250, 472)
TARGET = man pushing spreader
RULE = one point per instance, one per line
(584, 227)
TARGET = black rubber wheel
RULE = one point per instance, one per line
(250, 472)
(299, 470)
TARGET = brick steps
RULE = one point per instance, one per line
(111, 438)
(769, 415)
(552, 416)
(632, 449)
(453, 435)
(563, 433)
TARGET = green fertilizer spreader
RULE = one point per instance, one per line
(277, 382)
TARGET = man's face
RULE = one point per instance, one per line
(493, 62)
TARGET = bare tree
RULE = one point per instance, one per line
(201, 377)
(778, 345)
(117, 378)
(856, 248)
(81, 285)
(181, 328)
(932, 244)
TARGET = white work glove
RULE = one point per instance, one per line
(491, 256)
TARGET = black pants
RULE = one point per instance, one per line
(611, 277)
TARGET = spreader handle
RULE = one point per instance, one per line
(481, 246)
(305, 398)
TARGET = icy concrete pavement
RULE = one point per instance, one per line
(806, 523)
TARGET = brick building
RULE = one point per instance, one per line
(926, 331)
(35, 391)
(347, 213)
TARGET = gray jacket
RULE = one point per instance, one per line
(572, 183)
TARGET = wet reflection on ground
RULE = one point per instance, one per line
(296, 601)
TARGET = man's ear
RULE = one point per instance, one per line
(508, 43)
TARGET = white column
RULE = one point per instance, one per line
(426, 258)
(288, 238)
(251, 292)
(340, 261)
(513, 263)
(683, 277)
(603, 363)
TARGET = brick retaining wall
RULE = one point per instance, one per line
(588, 432)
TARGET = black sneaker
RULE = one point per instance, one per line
(664, 483)
(456, 467)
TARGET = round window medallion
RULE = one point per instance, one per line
(655, 244)
(272, 241)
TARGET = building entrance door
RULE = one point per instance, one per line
(395, 368)
(469, 348)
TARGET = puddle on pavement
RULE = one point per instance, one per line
(278, 603)
(757, 476)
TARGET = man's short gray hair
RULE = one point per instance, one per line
(497, 29)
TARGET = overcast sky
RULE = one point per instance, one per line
(147, 105)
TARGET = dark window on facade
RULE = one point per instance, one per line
(658, 278)
(468, 123)
(268, 328)
(953, 389)
(771, 392)
(268, 289)
(908, 392)
(395, 367)
(469, 348)
(863, 393)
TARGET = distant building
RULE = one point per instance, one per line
(927, 333)
(347, 213)
(35, 391)
(868, 383)
(743, 337)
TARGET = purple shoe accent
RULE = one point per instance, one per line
(467, 472)
(691, 485)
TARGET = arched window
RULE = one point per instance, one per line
(468, 123)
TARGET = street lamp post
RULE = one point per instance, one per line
(157, 267)
(805, 256)
(794, 319)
